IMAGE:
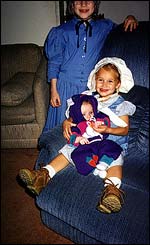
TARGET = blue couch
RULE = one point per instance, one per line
(68, 203)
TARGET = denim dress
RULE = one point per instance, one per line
(70, 63)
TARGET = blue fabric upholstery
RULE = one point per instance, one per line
(133, 49)
(68, 203)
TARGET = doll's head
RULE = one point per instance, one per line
(84, 107)
(87, 110)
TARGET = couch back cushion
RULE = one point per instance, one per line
(133, 48)
(19, 58)
(139, 121)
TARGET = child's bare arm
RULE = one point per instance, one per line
(115, 131)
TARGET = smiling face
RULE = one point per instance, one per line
(84, 9)
(107, 80)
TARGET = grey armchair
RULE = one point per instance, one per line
(24, 95)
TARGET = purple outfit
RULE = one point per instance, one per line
(87, 156)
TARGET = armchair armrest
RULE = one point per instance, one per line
(41, 93)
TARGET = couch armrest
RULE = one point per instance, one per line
(41, 93)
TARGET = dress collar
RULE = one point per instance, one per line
(88, 29)
(106, 103)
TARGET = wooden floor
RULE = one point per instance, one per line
(20, 217)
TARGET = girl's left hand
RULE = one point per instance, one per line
(130, 23)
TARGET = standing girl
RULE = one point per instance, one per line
(72, 50)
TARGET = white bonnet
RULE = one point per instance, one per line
(126, 77)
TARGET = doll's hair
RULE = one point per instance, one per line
(70, 12)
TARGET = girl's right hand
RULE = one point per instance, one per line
(55, 99)
(67, 124)
(54, 95)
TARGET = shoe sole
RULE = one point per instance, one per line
(32, 189)
(26, 177)
(103, 209)
(112, 203)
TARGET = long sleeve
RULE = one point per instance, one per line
(54, 47)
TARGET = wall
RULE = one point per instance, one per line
(30, 21)
(118, 10)
(27, 21)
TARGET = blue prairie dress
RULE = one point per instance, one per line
(71, 56)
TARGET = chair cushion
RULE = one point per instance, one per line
(20, 114)
(17, 89)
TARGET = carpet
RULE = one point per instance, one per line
(20, 217)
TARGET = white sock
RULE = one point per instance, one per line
(101, 170)
(101, 173)
(51, 170)
(116, 181)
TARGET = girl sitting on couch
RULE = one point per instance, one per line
(109, 76)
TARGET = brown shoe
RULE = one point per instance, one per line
(111, 200)
(35, 180)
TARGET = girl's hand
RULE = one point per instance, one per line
(67, 124)
(130, 23)
(100, 128)
(55, 99)
(54, 95)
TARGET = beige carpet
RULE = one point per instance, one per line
(20, 218)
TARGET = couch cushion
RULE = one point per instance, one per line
(52, 140)
(72, 198)
(20, 114)
(17, 89)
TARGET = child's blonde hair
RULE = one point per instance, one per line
(109, 67)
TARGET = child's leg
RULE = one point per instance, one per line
(36, 180)
(57, 164)
(115, 175)
(112, 196)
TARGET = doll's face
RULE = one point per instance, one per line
(83, 9)
(87, 110)
(107, 82)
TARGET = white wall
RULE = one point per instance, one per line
(30, 21)
(118, 10)
(27, 21)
